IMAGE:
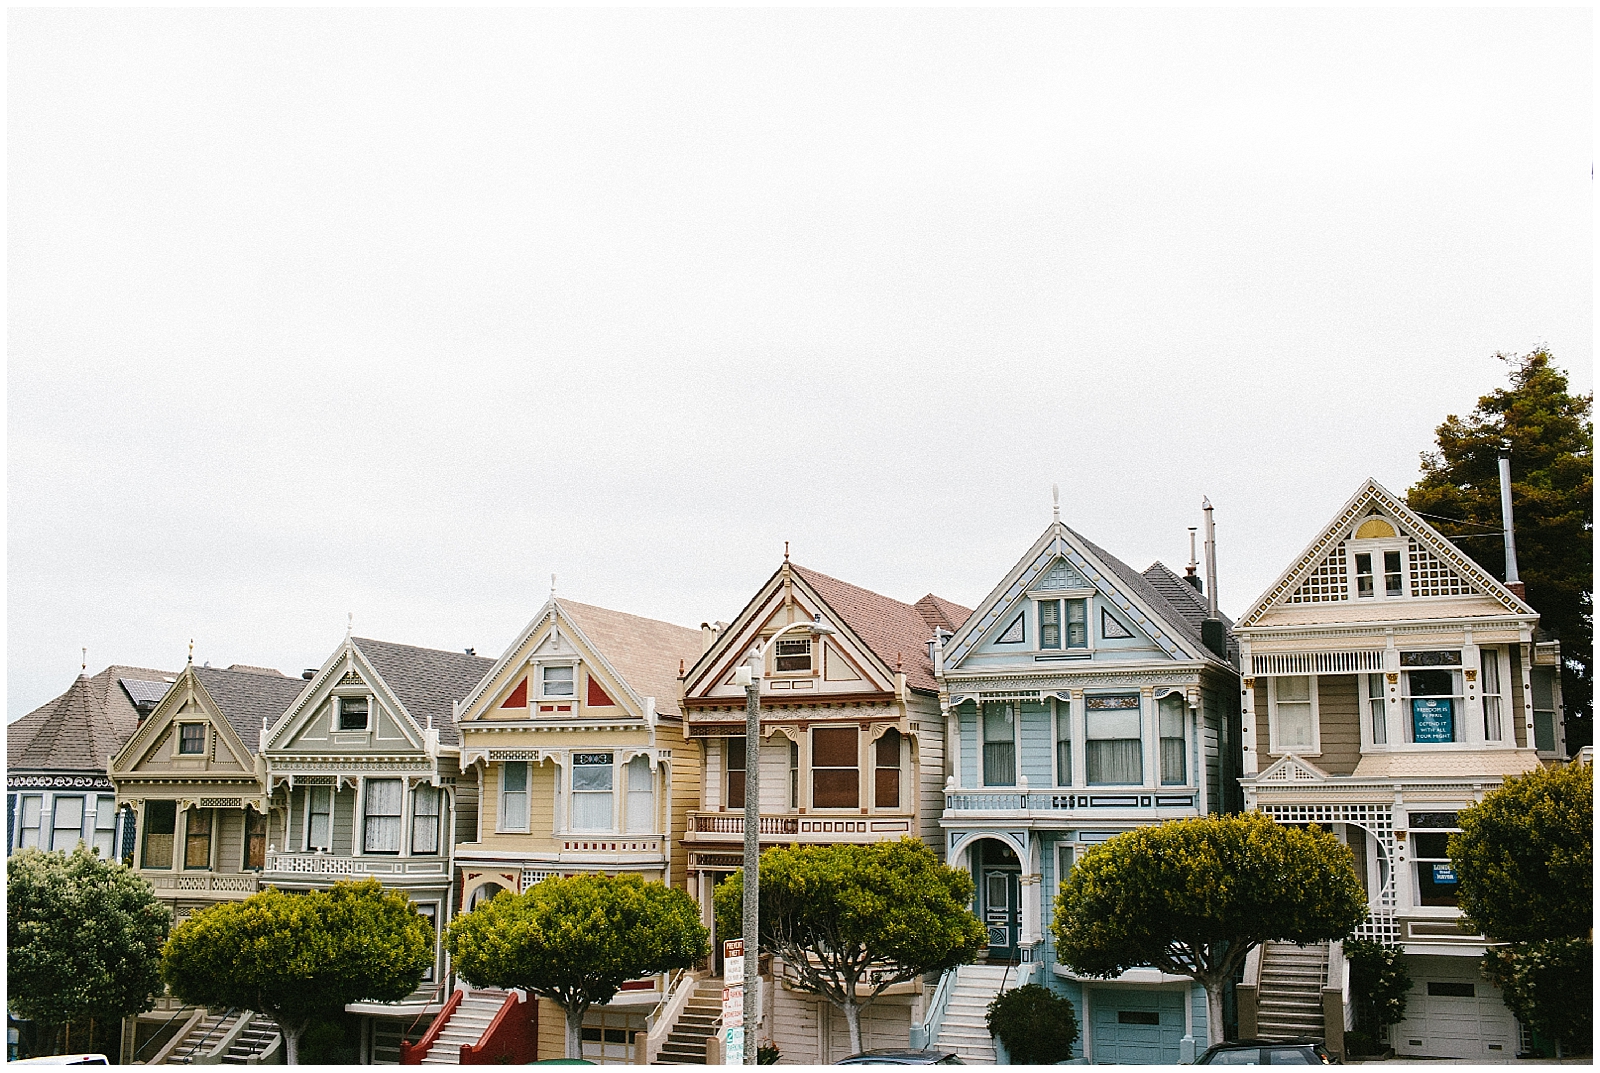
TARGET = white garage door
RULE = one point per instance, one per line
(1456, 1019)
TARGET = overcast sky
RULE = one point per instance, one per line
(398, 312)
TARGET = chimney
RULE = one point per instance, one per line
(1212, 633)
(1513, 582)
(1192, 577)
(708, 637)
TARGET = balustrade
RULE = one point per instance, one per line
(1064, 799)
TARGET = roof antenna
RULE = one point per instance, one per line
(1055, 499)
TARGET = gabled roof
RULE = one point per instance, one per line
(249, 697)
(428, 681)
(1184, 597)
(1372, 494)
(895, 632)
(646, 652)
(78, 730)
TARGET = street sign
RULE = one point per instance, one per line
(733, 1046)
(733, 1002)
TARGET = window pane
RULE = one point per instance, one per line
(1294, 726)
(735, 754)
(1364, 575)
(591, 811)
(1172, 762)
(191, 738)
(32, 816)
(1294, 687)
(641, 797)
(255, 840)
(161, 823)
(425, 819)
(382, 833)
(835, 788)
(1114, 762)
(197, 839)
(591, 777)
(639, 773)
(793, 655)
(1064, 762)
(320, 827)
(1377, 710)
(514, 795)
(68, 823)
(997, 722)
(1050, 624)
(558, 681)
(999, 767)
(886, 785)
(1391, 573)
(736, 789)
(833, 747)
(1077, 624)
(514, 775)
(353, 713)
(889, 748)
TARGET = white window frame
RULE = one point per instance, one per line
(105, 826)
(610, 794)
(1502, 667)
(543, 668)
(637, 802)
(1376, 547)
(22, 821)
(1016, 744)
(398, 817)
(1185, 719)
(55, 823)
(1272, 718)
(1144, 748)
(1062, 720)
(338, 714)
(177, 744)
(811, 654)
(1037, 599)
(1459, 718)
(311, 791)
(429, 911)
(419, 794)
(504, 822)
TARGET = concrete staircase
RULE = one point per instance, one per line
(701, 1016)
(1289, 1001)
(201, 1038)
(258, 1037)
(467, 1024)
(965, 1028)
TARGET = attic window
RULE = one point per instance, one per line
(191, 739)
(352, 713)
(794, 655)
(557, 682)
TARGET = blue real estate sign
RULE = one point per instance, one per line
(1433, 720)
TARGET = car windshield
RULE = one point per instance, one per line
(1294, 1056)
(1236, 1056)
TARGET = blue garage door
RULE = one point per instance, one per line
(1133, 1027)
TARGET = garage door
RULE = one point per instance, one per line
(1456, 1019)
(1133, 1027)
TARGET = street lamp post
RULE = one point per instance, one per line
(749, 676)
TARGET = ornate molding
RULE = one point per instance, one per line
(58, 782)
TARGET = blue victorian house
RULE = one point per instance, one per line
(1081, 700)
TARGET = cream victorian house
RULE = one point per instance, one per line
(852, 750)
(1389, 683)
(576, 739)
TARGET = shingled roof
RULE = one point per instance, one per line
(645, 651)
(78, 730)
(896, 633)
(428, 681)
(249, 696)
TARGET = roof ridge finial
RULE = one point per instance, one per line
(1055, 499)
(349, 624)
(85, 667)
(552, 586)
(191, 651)
(785, 551)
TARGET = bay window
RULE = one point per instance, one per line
(426, 812)
(197, 838)
(1112, 725)
(1432, 692)
(835, 768)
(592, 780)
(514, 795)
(382, 807)
(319, 818)
(1544, 708)
(999, 744)
(1174, 743)
(160, 824)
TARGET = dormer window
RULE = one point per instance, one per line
(793, 654)
(352, 713)
(558, 681)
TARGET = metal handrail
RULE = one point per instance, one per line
(195, 1045)
(182, 1011)
(434, 994)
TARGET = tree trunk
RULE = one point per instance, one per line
(852, 1018)
(575, 1014)
(291, 1043)
(1213, 1011)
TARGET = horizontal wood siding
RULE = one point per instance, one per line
(927, 758)
(344, 819)
(1339, 716)
(552, 1030)
(1263, 729)
(1211, 748)
(1519, 714)
(686, 768)
(466, 825)
(229, 828)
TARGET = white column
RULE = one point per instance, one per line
(1148, 735)
(1472, 691)
(1393, 708)
(1080, 741)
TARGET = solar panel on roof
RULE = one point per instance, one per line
(143, 691)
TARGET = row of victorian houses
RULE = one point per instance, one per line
(1383, 683)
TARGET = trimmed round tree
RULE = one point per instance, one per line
(843, 914)
(1194, 897)
(577, 940)
(83, 938)
(299, 956)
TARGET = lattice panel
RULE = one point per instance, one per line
(1430, 577)
(1062, 576)
(1326, 583)
(1378, 822)
(530, 876)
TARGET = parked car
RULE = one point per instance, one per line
(63, 1060)
(899, 1056)
(1264, 1052)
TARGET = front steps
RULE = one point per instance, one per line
(258, 1037)
(700, 1019)
(1289, 997)
(965, 1027)
(467, 1024)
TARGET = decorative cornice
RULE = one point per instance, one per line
(337, 762)
(820, 700)
(61, 782)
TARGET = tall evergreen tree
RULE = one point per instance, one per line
(1551, 437)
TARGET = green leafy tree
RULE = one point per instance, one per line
(1524, 860)
(1193, 897)
(1549, 985)
(1037, 1025)
(301, 957)
(577, 940)
(1524, 864)
(83, 938)
(852, 921)
(1378, 984)
(1552, 494)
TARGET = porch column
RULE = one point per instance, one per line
(1148, 736)
(1080, 740)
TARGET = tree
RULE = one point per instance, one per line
(1524, 864)
(1552, 492)
(83, 938)
(300, 956)
(843, 915)
(577, 940)
(1378, 984)
(1037, 1025)
(1524, 860)
(1193, 897)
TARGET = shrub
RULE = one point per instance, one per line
(1378, 984)
(768, 1054)
(1037, 1025)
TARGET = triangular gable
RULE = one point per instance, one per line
(505, 690)
(1438, 568)
(1292, 769)
(310, 723)
(1058, 557)
(149, 750)
(787, 597)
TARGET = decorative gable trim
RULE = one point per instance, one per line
(359, 674)
(157, 727)
(1320, 567)
(1293, 769)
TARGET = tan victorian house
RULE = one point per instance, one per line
(1390, 682)
(576, 739)
(852, 751)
